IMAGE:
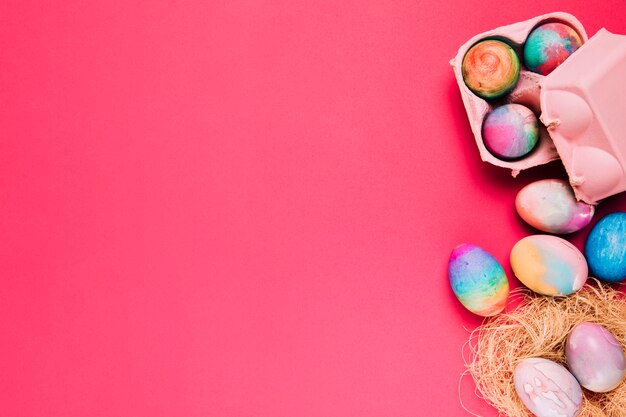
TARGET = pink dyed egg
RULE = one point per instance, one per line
(595, 357)
(550, 206)
(510, 131)
(547, 389)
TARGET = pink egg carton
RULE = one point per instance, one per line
(582, 103)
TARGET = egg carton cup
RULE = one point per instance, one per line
(526, 91)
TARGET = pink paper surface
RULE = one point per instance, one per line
(244, 208)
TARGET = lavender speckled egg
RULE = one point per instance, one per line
(547, 388)
(478, 280)
(549, 45)
(510, 131)
(549, 265)
(550, 206)
(595, 357)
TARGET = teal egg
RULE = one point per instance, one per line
(549, 45)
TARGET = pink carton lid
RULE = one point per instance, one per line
(583, 103)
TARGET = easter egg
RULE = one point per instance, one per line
(547, 389)
(605, 248)
(490, 68)
(510, 131)
(549, 265)
(595, 357)
(478, 280)
(550, 206)
(549, 45)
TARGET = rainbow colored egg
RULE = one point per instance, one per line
(595, 357)
(510, 131)
(549, 45)
(490, 68)
(549, 265)
(550, 206)
(478, 280)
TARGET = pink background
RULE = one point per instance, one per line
(243, 207)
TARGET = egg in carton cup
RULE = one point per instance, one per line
(581, 103)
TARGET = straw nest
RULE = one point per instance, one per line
(538, 327)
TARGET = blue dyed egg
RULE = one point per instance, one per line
(605, 248)
(478, 280)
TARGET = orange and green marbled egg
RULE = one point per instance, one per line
(490, 68)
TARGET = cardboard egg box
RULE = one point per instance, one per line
(526, 92)
(581, 105)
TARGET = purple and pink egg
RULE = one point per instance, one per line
(595, 357)
(549, 45)
(551, 206)
(510, 131)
